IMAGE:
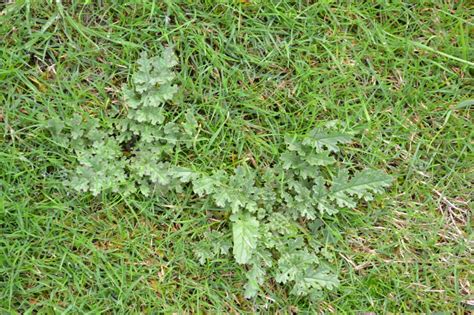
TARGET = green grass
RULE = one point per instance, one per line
(395, 72)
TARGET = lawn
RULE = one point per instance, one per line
(397, 74)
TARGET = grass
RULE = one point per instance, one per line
(395, 72)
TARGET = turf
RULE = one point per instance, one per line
(398, 73)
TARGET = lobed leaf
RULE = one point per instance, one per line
(321, 139)
(245, 236)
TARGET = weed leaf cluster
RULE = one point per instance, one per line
(272, 211)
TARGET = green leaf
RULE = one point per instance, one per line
(160, 174)
(282, 224)
(255, 277)
(130, 98)
(167, 91)
(322, 279)
(245, 235)
(339, 190)
(101, 169)
(156, 71)
(207, 185)
(292, 160)
(55, 126)
(76, 124)
(367, 181)
(320, 159)
(153, 115)
(213, 244)
(320, 140)
(362, 185)
(185, 175)
(169, 58)
(292, 265)
(172, 132)
(294, 145)
(142, 78)
(299, 202)
(190, 126)
(314, 280)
